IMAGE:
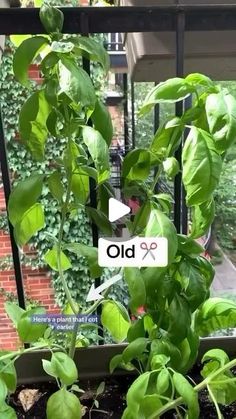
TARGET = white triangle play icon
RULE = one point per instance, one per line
(117, 210)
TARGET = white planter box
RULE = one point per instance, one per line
(151, 56)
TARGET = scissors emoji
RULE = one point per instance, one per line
(144, 246)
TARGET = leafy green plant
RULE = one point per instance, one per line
(163, 341)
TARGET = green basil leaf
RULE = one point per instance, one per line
(31, 222)
(202, 217)
(135, 349)
(8, 375)
(24, 196)
(169, 91)
(102, 121)
(179, 319)
(3, 391)
(200, 79)
(137, 291)
(141, 218)
(201, 166)
(171, 167)
(221, 117)
(216, 355)
(7, 412)
(117, 362)
(188, 246)
(189, 350)
(149, 405)
(98, 150)
(90, 253)
(116, 319)
(66, 402)
(215, 314)
(76, 83)
(62, 47)
(28, 330)
(13, 311)
(164, 346)
(194, 283)
(100, 220)
(136, 330)
(186, 391)
(95, 50)
(159, 225)
(52, 18)
(51, 258)
(137, 392)
(56, 186)
(80, 185)
(32, 123)
(64, 368)
(24, 55)
(163, 381)
(136, 165)
(167, 139)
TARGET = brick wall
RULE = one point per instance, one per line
(37, 282)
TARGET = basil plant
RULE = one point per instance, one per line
(163, 340)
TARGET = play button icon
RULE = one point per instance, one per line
(117, 210)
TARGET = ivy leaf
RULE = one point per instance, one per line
(169, 91)
(51, 258)
(98, 150)
(201, 166)
(33, 123)
(136, 165)
(25, 54)
(190, 397)
(221, 117)
(215, 314)
(66, 402)
(136, 286)
(91, 255)
(31, 222)
(116, 319)
(102, 121)
(76, 83)
(159, 225)
(24, 196)
(95, 50)
(202, 218)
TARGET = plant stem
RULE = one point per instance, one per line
(173, 403)
(157, 175)
(87, 312)
(219, 415)
(60, 237)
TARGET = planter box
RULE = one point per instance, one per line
(151, 56)
(93, 362)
